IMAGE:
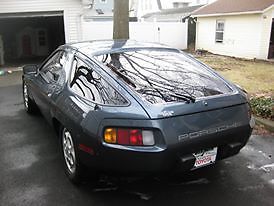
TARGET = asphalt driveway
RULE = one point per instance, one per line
(31, 171)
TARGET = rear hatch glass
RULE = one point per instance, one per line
(162, 75)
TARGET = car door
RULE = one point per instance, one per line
(49, 82)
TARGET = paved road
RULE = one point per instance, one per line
(31, 171)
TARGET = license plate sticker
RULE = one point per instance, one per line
(205, 157)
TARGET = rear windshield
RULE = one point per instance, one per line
(162, 76)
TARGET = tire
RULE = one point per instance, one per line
(29, 104)
(74, 169)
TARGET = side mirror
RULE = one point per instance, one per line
(30, 69)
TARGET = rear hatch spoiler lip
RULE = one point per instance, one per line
(204, 104)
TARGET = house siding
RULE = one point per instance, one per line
(245, 36)
(266, 31)
(72, 10)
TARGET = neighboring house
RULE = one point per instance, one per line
(180, 14)
(171, 15)
(240, 28)
(180, 3)
(147, 6)
(101, 10)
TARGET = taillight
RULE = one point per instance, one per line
(110, 135)
(125, 136)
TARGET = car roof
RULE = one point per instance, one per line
(99, 47)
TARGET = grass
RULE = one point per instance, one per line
(256, 77)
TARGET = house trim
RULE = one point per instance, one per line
(31, 14)
(235, 13)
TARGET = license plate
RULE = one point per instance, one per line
(205, 157)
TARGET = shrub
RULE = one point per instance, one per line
(263, 106)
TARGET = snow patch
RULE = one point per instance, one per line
(141, 195)
(251, 166)
(268, 167)
(256, 187)
(199, 181)
(249, 148)
(265, 155)
(107, 189)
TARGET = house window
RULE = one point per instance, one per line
(219, 36)
(42, 38)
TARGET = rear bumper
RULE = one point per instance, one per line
(176, 139)
(176, 159)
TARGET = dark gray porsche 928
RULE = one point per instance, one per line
(132, 107)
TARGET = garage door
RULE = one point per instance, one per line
(30, 37)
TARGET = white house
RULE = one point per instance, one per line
(239, 28)
(31, 29)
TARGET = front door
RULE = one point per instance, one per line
(26, 45)
(271, 44)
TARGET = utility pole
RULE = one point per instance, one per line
(121, 19)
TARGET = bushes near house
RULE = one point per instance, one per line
(263, 107)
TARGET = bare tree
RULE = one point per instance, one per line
(121, 19)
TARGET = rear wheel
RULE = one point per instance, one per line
(29, 104)
(74, 169)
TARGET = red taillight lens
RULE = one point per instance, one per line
(123, 136)
(134, 137)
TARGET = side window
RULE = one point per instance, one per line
(53, 70)
(219, 36)
(89, 84)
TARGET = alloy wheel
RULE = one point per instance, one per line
(69, 151)
(26, 96)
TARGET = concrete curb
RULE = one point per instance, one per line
(268, 124)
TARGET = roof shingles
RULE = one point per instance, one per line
(234, 6)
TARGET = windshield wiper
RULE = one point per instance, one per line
(187, 98)
(166, 94)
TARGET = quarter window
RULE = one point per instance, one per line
(52, 71)
(219, 36)
(89, 84)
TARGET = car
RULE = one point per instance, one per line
(136, 108)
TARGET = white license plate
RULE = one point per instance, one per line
(205, 157)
